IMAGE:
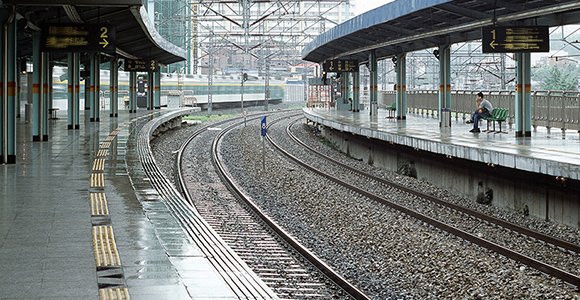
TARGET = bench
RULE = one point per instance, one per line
(392, 109)
(498, 115)
(52, 112)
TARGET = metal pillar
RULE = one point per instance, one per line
(346, 84)
(267, 84)
(8, 87)
(445, 86)
(90, 87)
(210, 76)
(401, 94)
(373, 84)
(45, 98)
(157, 75)
(356, 92)
(70, 92)
(150, 90)
(113, 88)
(132, 92)
(77, 86)
(97, 92)
(19, 73)
(37, 95)
(242, 94)
(523, 107)
(50, 71)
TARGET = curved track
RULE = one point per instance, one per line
(288, 276)
(450, 225)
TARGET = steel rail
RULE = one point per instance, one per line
(529, 261)
(306, 253)
(511, 226)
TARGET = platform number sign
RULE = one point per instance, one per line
(264, 129)
(515, 39)
(79, 37)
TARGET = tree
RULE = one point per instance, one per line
(554, 78)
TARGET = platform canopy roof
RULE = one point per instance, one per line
(136, 36)
(408, 25)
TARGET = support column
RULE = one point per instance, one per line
(401, 94)
(373, 83)
(347, 91)
(8, 97)
(356, 92)
(150, 90)
(97, 92)
(70, 90)
(157, 89)
(37, 101)
(90, 87)
(523, 107)
(132, 92)
(45, 98)
(444, 85)
(112, 83)
(19, 73)
(77, 90)
(50, 72)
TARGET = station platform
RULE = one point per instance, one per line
(75, 225)
(551, 152)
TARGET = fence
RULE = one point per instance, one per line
(551, 109)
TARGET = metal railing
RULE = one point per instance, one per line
(550, 109)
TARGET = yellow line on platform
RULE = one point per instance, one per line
(106, 254)
(114, 294)
(102, 152)
(97, 180)
(99, 164)
(99, 204)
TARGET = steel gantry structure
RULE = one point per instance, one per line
(273, 31)
(257, 36)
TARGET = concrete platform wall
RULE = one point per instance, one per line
(537, 195)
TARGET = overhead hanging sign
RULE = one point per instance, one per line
(79, 37)
(508, 39)
(141, 65)
(340, 65)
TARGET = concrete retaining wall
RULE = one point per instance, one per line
(534, 194)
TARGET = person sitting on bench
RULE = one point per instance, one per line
(484, 109)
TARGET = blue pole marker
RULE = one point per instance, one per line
(264, 130)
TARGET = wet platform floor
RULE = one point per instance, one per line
(553, 152)
(47, 223)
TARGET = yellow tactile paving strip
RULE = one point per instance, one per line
(99, 204)
(114, 294)
(97, 180)
(106, 253)
(105, 248)
(103, 152)
(99, 164)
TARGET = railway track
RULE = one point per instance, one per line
(288, 268)
(465, 223)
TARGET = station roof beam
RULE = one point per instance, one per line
(136, 36)
(431, 23)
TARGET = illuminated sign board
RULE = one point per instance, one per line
(515, 39)
(141, 65)
(340, 65)
(79, 37)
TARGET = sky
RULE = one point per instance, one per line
(366, 5)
